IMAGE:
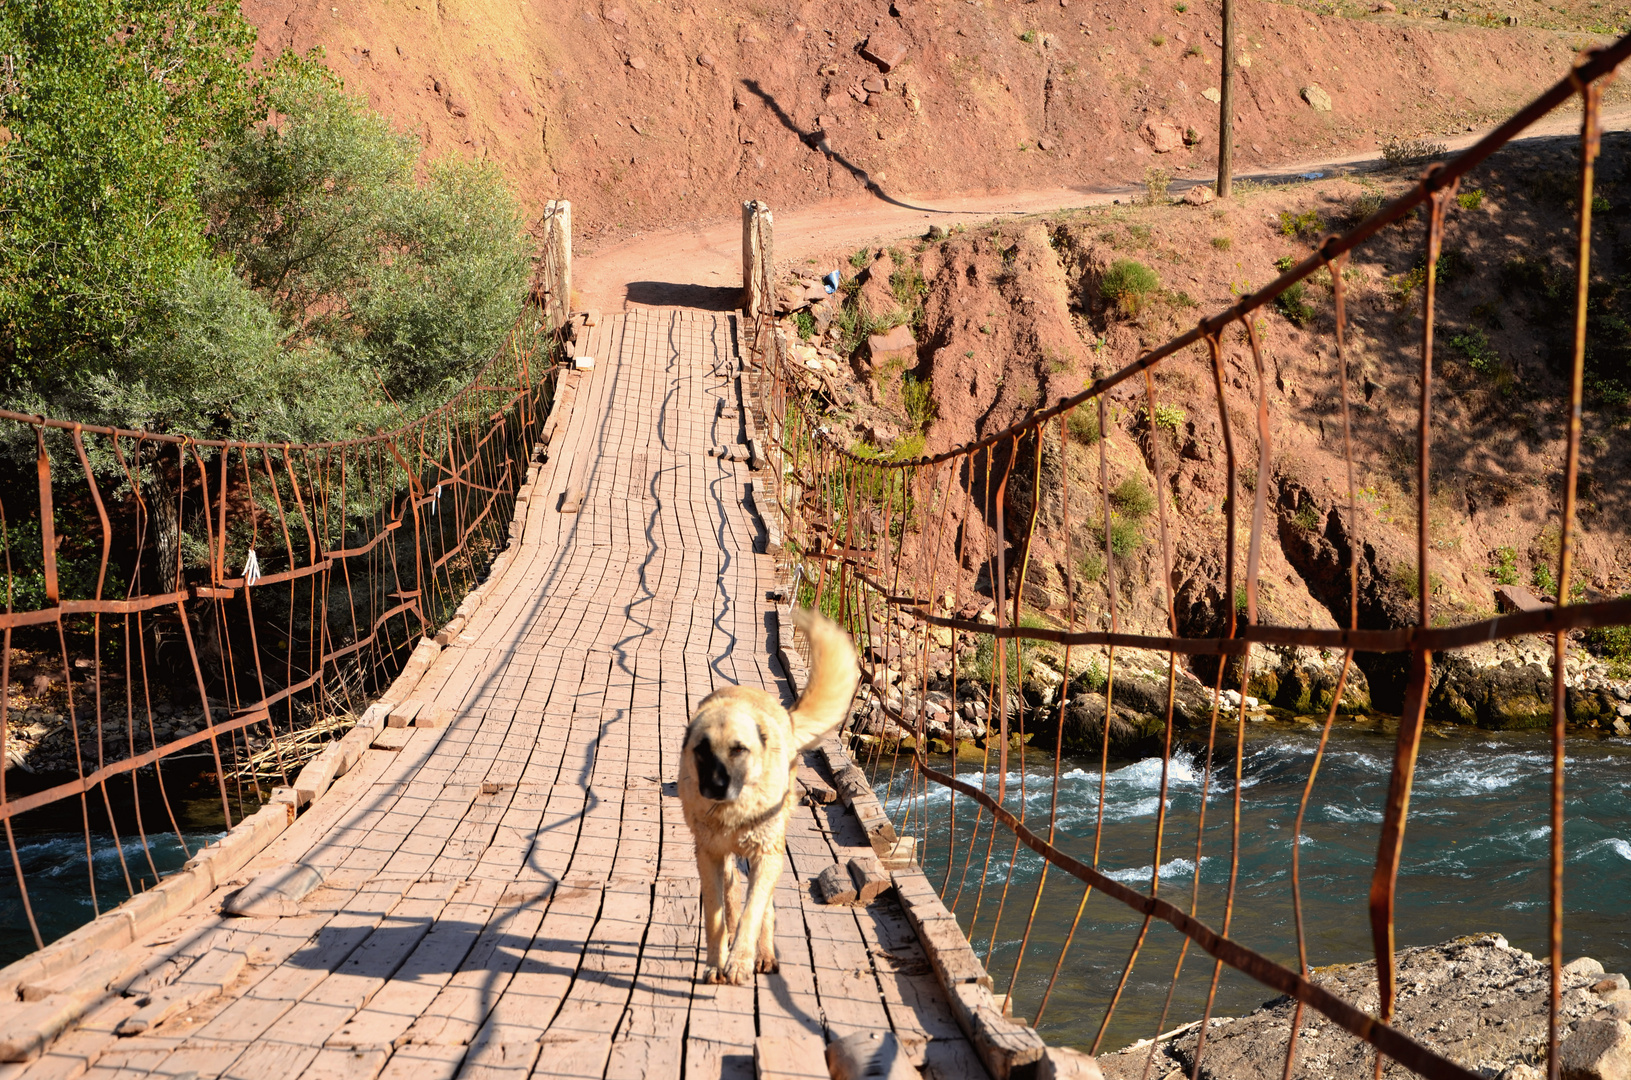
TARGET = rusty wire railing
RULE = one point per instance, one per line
(176, 594)
(877, 538)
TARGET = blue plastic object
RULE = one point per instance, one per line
(831, 281)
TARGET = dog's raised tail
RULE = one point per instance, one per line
(833, 677)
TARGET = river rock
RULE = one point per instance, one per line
(1507, 697)
(1597, 1050)
(1476, 1000)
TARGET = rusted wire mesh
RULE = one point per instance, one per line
(874, 540)
(176, 597)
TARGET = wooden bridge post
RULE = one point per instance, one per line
(758, 249)
(557, 276)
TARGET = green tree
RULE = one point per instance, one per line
(342, 295)
(108, 109)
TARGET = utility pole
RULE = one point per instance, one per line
(1226, 105)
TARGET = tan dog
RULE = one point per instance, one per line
(736, 787)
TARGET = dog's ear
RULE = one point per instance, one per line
(833, 678)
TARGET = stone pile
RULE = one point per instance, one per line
(1476, 1000)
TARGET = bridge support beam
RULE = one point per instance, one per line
(556, 284)
(758, 256)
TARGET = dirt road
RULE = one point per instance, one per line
(702, 266)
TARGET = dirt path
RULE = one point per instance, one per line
(701, 266)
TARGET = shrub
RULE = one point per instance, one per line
(1158, 40)
(1543, 578)
(1612, 643)
(1156, 183)
(1083, 424)
(338, 274)
(1126, 536)
(1401, 153)
(1408, 581)
(1090, 566)
(1470, 200)
(1363, 206)
(906, 284)
(1505, 570)
(1028, 36)
(1170, 417)
(1284, 263)
(916, 394)
(1481, 355)
(1306, 224)
(806, 325)
(1293, 306)
(1307, 518)
(1133, 499)
(1128, 285)
(1402, 287)
(861, 259)
(1222, 243)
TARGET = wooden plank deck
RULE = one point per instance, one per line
(515, 894)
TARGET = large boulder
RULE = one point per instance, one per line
(1597, 1050)
(892, 346)
(1164, 136)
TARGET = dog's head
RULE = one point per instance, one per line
(727, 746)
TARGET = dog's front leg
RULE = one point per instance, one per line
(716, 889)
(764, 870)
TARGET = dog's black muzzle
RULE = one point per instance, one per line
(714, 779)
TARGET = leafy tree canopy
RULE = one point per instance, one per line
(195, 248)
(108, 108)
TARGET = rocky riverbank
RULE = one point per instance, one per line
(1499, 686)
(1476, 1000)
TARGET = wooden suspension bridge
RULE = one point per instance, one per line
(490, 878)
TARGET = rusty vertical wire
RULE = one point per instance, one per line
(965, 465)
(217, 542)
(1590, 145)
(1385, 879)
(1172, 672)
(1217, 698)
(918, 580)
(885, 487)
(187, 631)
(1019, 662)
(249, 614)
(288, 550)
(985, 758)
(96, 648)
(1064, 701)
(48, 550)
(1161, 497)
(1338, 291)
(142, 516)
(130, 681)
(999, 675)
(1265, 465)
(1109, 701)
(5, 728)
(1231, 619)
(1064, 690)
